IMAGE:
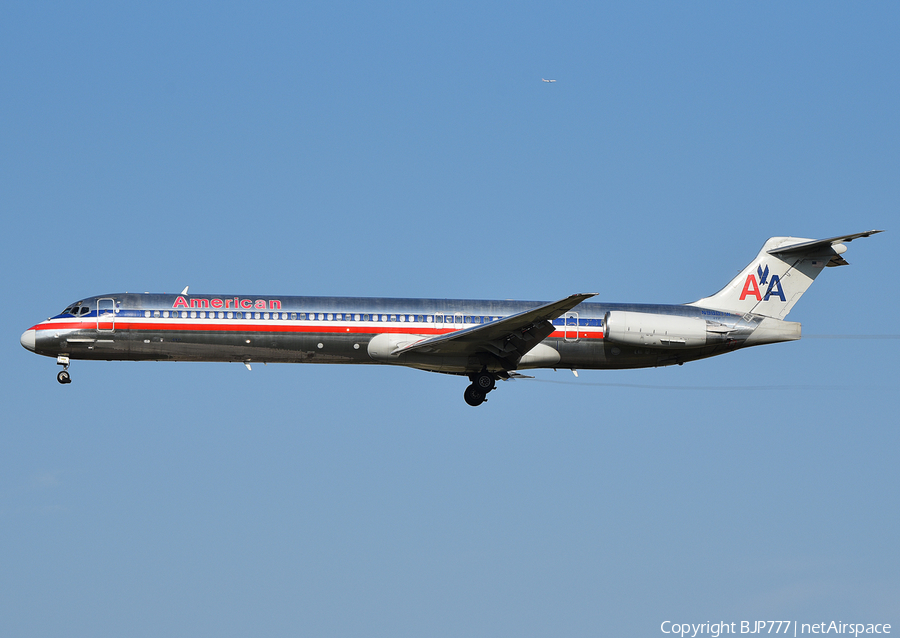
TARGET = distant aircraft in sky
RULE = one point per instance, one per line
(485, 341)
(546, 80)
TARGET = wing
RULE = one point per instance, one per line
(507, 340)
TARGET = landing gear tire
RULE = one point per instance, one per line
(484, 382)
(64, 377)
(474, 396)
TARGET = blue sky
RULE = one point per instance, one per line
(412, 150)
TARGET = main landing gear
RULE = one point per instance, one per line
(482, 383)
(63, 377)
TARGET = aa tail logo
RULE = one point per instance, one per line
(752, 286)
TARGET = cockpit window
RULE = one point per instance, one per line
(76, 309)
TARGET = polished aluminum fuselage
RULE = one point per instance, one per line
(263, 328)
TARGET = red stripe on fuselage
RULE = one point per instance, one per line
(125, 326)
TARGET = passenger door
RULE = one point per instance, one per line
(106, 315)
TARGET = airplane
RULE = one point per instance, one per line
(546, 80)
(486, 341)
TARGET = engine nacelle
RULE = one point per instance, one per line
(656, 331)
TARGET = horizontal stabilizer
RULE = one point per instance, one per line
(834, 243)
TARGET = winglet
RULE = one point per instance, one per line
(184, 292)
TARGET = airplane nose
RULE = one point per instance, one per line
(27, 340)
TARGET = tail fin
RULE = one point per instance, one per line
(781, 272)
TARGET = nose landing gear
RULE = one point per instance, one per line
(482, 383)
(63, 377)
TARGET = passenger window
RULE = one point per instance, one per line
(257, 316)
(438, 319)
(156, 314)
(147, 313)
(355, 317)
(293, 316)
(165, 314)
